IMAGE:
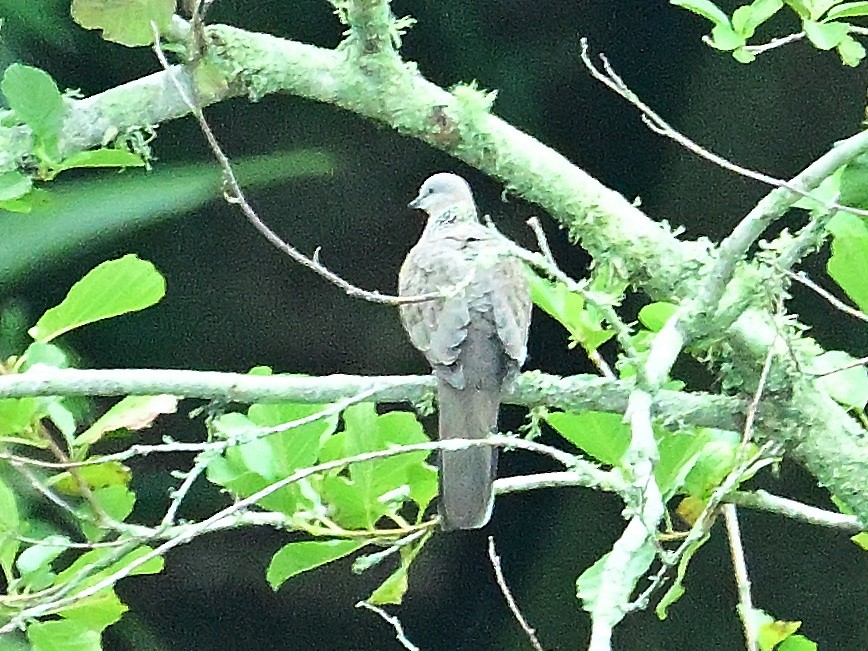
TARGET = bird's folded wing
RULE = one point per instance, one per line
(436, 327)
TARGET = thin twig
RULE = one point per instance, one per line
(186, 533)
(393, 621)
(771, 45)
(178, 495)
(48, 494)
(658, 125)
(763, 501)
(753, 407)
(594, 355)
(234, 195)
(507, 594)
(837, 303)
(541, 262)
(742, 579)
(786, 40)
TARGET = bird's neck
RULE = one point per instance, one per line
(450, 218)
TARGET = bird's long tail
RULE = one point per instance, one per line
(467, 476)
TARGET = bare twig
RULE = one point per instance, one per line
(658, 125)
(594, 355)
(772, 44)
(507, 594)
(742, 579)
(393, 621)
(234, 195)
(47, 493)
(790, 38)
(747, 433)
(837, 303)
(763, 501)
(180, 493)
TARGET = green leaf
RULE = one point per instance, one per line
(746, 19)
(825, 36)
(293, 448)
(655, 315)
(854, 183)
(97, 158)
(820, 7)
(116, 501)
(93, 212)
(98, 556)
(828, 191)
(602, 435)
(44, 354)
(724, 37)
(131, 413)
(295, 558)
(17, 415)
(743, 55)
(797, 643)
(848, 10)
(127, 22)
(679, 452)
(620, 578)
(14, 184)
(97, 611)
(248, 468)
(605, 437)
(112, 288)
(100, 475)
(569, 309)
(848, 264)
(9, 528)
(676, 590)
(63, 635)
(851, 51)
(23, 204)
(40, 556)
(423, 485)
(392, 590)
(357, 493)
(800, 7)
(36, 100)
(848, 387)
(704, 8)
(770, 633)
(714, 463)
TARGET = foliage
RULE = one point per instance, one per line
(822, 23)
(337, 476)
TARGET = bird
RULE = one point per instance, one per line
(474, 336)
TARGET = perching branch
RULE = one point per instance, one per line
(577, 393)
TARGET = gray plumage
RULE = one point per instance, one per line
(475, 339)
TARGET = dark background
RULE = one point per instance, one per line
(234, 302)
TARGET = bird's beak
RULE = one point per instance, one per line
(416, 203)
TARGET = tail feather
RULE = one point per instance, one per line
(467, 476)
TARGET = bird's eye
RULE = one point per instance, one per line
(429, 192)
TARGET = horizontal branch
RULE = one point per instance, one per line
(578, 392)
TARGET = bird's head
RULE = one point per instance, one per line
(447, 199)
